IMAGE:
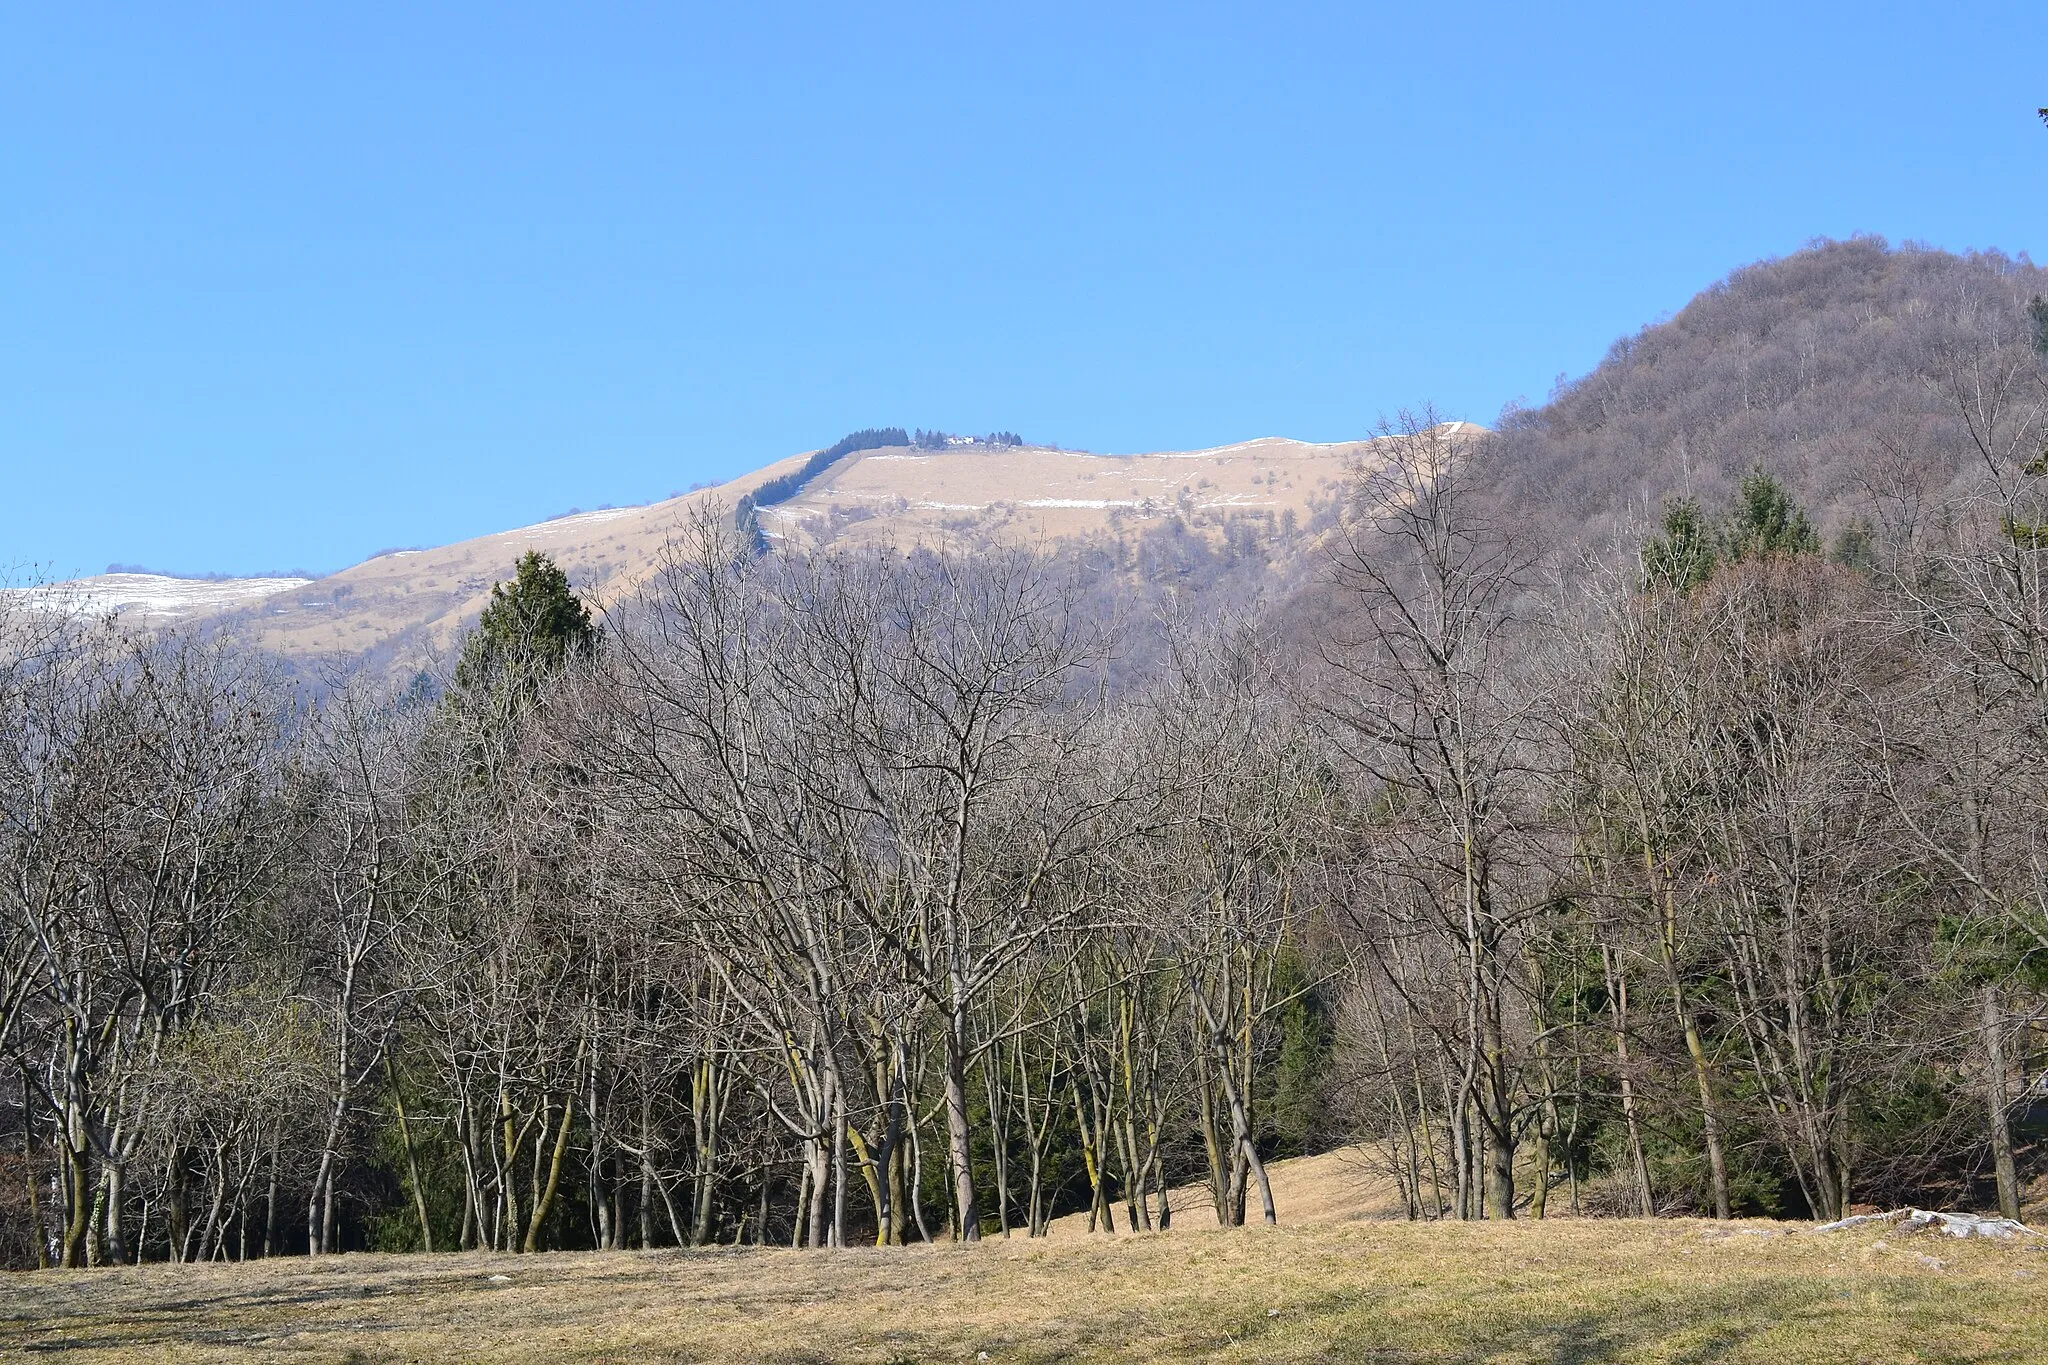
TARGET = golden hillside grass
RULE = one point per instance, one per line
(1343, 1186)
(1027, 495)
(1333, 1290)
(1619, 1291)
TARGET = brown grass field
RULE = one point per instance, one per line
(1337, 1285)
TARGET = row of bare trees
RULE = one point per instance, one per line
(1714, 880)
(809, 900)
(836, 898)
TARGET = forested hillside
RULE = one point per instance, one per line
(821, 894)
(1836, 368)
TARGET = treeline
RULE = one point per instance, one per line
(213, 576)
(808, 900)
(857, 898)
(939, 440)
(786, 486)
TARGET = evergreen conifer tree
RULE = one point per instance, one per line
(1765, 520)
(1683, 556)
(533, 626)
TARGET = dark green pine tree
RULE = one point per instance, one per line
(1682, 556)
(1765, 521)
(533, 626)
(1762, 520)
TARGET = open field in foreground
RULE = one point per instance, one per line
(1555, 1292)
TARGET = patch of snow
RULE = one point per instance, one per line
(578, 519)
(1255, 444)
(150, 594)
(1097, 503)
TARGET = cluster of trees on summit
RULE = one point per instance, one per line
(939, 440)
(865, 897)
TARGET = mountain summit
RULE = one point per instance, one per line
(962, 493)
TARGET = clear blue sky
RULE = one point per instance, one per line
(287, 284)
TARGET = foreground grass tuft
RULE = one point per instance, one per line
(1378, 1292)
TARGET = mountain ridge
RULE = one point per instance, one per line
(403, 605)
(1828, 367)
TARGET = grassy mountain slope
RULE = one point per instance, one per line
(412, 603)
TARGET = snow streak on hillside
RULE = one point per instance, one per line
(155, 596)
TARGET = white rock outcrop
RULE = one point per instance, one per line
(1953, 1224)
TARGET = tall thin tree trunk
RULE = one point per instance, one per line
(1702, 1070)
(28, 1166)
(78, 1207)
(1617, 994)
(412, 1165)
(839, 1201)
(803, 1201)
(545, 1197)
(2002, 1163)
(818, 1169)
(270, 1230)
(917, 1173)
(959, 1136)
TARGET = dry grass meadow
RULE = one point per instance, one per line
(1338, 1285)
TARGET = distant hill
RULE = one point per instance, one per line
(1820, 366)
(1163, 515)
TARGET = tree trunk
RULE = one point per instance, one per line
(1710, 1116)
(959, 1137)
(270, 1231)
(1617, 994)
(28, 1166)
(838, 1112)
(706, 1115)
(1499, 1121)
(818, 1178)
(1995, 1102)
(1212, 1143)
(113, 1195)
(412, 1165)
(78, 1207)
(1100, 1217)
(546, 1197)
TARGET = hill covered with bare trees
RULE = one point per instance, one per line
(1843, 369)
